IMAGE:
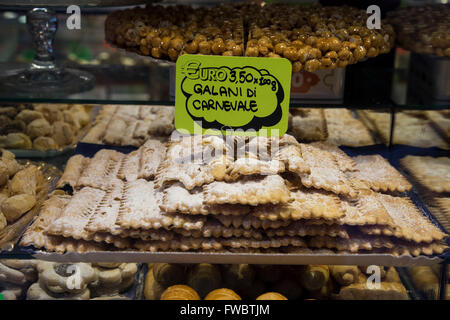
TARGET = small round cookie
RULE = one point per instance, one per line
(37, 292)
(66, 277)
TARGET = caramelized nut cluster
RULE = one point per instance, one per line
(168, 32)
(311, 38)
(314, 38)
(423, 29)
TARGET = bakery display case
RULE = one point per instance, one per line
(99, 189)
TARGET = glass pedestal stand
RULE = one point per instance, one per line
(43, 75)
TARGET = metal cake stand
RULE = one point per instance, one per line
(43, 74)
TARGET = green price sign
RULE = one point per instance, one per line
(232, 95)
(1, 296)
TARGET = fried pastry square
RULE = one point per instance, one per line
(345, 163)
(75, 216)
(152, 155)
(143, 162)
(249, 190)
(306, 204)
(178, 199)
(410, 224)
(291, 155)
(250, 165)
(432, 173)
(324, 172)
(101, 169)
(192, 174)
(376, 173)
(365, 210)
(140, 210)
(103, 219)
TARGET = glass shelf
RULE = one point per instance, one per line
(126, 78)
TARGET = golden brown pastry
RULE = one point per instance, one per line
(152, 289)
(345, 275)
(314, 277)
(168, 274)
(9, 159)
(204, 277)
(222, 294)
(179, 292)
(38, 128)
(44, 144)
(28, 116)
(13, 208)
(26, 181)
(271, 296)
(62, 133)
(425, 281)
(18, 141)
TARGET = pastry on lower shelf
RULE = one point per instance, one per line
(271, 296)
(425, 281)
(112, 280)
(382, 291)
(180, 292)
(43, 126)
(15, 277)
(130, 125)
(204, 278)
(222, 294)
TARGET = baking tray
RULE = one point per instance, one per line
(319, 257)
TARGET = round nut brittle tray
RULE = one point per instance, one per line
(312, 38)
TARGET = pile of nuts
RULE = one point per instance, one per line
(311, 38)
(423, 29)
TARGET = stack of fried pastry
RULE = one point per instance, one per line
(130, 125)
(432, 176)
(212, 193)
